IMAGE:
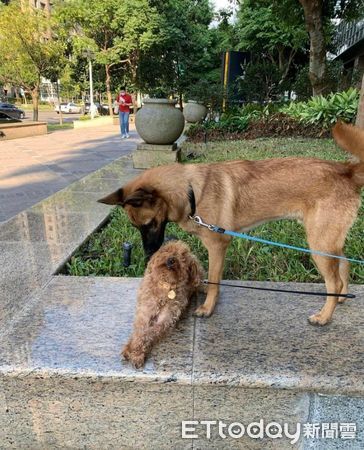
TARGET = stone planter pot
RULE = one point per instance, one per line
(194, 112)
(159, 121)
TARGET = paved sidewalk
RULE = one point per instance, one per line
(33, 168)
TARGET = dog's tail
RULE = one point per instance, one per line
(351, 139)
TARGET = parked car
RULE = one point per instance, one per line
(5, 118)
(68, 108)
(12, 110)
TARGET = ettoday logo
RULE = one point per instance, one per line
(194, 429)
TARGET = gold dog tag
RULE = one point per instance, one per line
(172, 294)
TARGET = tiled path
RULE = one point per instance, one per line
(33, 168)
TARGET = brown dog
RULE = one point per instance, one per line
(239, 195)
(172, 276)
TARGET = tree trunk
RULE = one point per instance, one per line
(360, 115)
(35, 100)
(108, 89)
(281, 59)
(314, 25)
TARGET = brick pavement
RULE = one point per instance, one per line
(33, 168)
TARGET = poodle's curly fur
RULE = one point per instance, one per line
(172, 276)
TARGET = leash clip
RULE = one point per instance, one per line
(201, 223)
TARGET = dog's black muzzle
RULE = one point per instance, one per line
(152, 237)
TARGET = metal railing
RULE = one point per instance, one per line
(348, 34)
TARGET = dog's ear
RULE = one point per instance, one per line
(140, 196)
(196, 274)
(115, 198)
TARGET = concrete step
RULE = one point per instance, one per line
(64, 385)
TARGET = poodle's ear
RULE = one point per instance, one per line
(196, 274)
(115, 198)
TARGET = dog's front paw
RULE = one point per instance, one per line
(318, 319)
(125, 352)
(203, 311)
(137, 359)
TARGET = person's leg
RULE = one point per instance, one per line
(121, 123)
(125, 132)
(127, 123)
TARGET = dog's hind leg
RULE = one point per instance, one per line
(330, 271)
(344, 269)
(329, 236)
(217, 250)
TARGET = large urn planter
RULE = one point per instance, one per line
(159, 121)
(194, 112)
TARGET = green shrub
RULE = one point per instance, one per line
(325, 110)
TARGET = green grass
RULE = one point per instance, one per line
(56, 126)
(102, 254)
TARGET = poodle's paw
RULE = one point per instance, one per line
(125, 352)
(137, 359)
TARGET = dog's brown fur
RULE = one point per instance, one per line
(171, 269)
(239, 195)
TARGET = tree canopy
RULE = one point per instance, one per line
(29, 50)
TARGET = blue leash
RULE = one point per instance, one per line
(216, 229)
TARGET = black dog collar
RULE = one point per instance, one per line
(192, 200)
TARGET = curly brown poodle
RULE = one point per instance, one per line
(173, 275)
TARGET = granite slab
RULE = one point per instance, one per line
(229, 405)
(25, 267)
(338, 410)
(78, 326)
(54, 413)
(262, 339)
(50, 227)
(60, 361)
(120, 169)
(35, 243)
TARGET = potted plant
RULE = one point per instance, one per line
(197, 96)
(159, 121)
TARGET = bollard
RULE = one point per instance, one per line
(127, 247)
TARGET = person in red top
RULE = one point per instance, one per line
(124, 101)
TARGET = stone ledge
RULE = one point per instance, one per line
(144, 158)
(23, 129)
(60, 363)
(35, 242)
(77, 326)
(157, 147)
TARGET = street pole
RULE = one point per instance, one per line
(59, 104)
(92, 106)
